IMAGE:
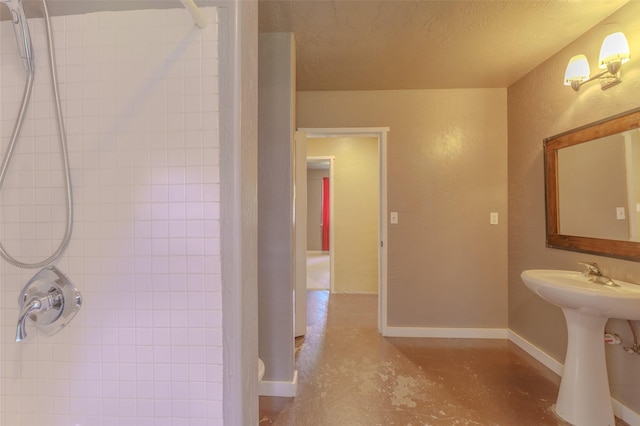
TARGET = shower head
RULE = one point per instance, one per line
(21, 28)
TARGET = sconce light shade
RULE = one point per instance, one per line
(577, 71)
(613, 53)
(615, 48)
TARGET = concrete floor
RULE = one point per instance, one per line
(350, 375)
(318, 271)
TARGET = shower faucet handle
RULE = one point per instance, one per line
(33, 305)
(36, 306)
(49, 300)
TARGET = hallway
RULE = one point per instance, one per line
(350, 375)
(318, 271)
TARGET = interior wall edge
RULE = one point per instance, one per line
(238, 43)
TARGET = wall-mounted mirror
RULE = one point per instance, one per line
(592, 177)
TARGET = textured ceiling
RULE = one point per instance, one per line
(393, 44)
(398, 44)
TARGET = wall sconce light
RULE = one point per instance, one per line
(613, 53)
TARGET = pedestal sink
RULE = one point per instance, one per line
(584, 398)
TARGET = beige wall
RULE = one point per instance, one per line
(276, 112)
(446, 172)
(238, 204)
(355, 210)
(540, 106)
(314, 208)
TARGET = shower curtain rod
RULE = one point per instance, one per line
(198, 16)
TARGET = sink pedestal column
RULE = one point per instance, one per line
(584, 398)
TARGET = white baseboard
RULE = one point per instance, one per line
(287, 389)
(435, 332)
(620, 410)
(625, 413)
(543, 357)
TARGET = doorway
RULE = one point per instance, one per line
(380, 232)
(320, 217)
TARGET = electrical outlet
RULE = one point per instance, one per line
(620, 213)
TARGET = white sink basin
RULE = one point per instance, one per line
(584, 398)
(572, 290)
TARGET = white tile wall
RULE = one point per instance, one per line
(140, 96)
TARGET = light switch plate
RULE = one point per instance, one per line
(393, 217)
(493, 218)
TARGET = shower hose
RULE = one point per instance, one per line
(63, 148)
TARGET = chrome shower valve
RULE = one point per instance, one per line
(49, 300)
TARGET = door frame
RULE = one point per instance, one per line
(300, 234)
(381, 134)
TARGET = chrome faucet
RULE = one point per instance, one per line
(34, 305)
(595, 275)
(38, 304)
(593, 270)
(50, 300)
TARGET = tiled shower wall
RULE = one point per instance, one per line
(140, 95)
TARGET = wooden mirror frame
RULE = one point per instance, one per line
(613, 248)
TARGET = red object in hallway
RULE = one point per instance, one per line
(326, 209)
